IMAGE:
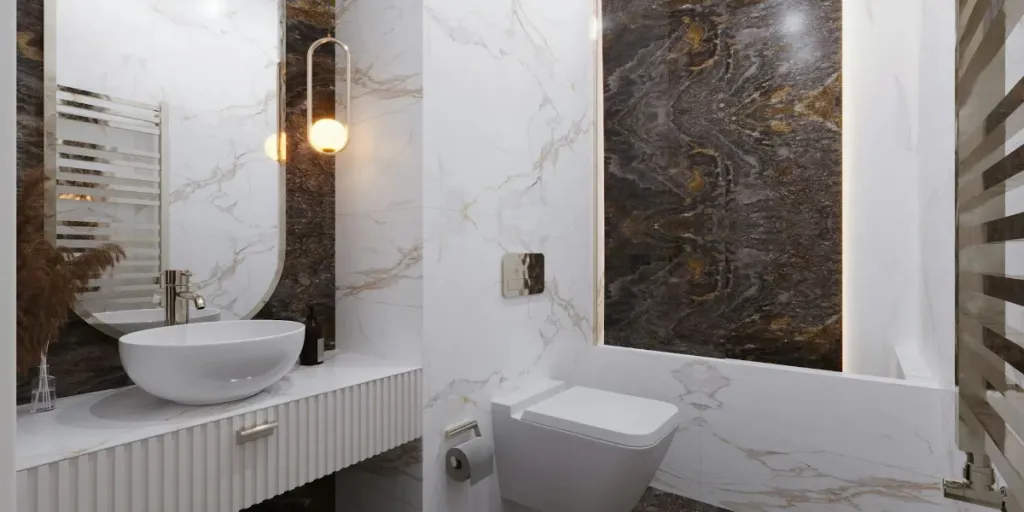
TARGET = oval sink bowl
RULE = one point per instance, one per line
(134, 320)
(214, 362)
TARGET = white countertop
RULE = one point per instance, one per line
(97, 421)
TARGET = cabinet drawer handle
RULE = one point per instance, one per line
(251, 434)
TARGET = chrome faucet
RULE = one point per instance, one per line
(176, 297)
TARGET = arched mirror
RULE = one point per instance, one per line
(163, 122)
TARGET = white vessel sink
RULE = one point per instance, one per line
(214, 362)
(141, 319)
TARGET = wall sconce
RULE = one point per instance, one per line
(328, 136)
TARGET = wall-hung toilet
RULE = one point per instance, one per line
(576, 449)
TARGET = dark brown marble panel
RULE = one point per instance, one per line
(30, 84)
(723, 178)
(308, 275)
(660, 501)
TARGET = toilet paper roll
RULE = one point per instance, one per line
(472, 460)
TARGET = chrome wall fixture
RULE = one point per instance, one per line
(989, 373)
(328, 136)
(109, 176)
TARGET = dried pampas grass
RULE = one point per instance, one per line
(49, 277)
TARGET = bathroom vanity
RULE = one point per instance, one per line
(125, 450)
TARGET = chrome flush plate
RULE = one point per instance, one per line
(522, 274)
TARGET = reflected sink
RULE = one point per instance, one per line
(214, 362)
(141, 319)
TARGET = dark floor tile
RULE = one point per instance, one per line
(316, 496)
(661, 501)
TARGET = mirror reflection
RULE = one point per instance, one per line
(163, 138)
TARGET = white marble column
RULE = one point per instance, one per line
(897, 179)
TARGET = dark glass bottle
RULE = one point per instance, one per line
(313, 347)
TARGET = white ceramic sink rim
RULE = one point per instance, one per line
(211, 362)
(196, 335)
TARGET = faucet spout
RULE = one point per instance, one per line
(176, 296)
(196, 299)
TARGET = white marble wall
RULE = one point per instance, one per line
(898, 140)
(937, 187)
(215, 64)
(379, 243)
(880, 182)
(509, 166)
(379, 224)
(759, 437)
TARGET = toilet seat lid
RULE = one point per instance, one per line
(611, 417)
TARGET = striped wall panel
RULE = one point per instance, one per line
(990, 237)
(202, 469)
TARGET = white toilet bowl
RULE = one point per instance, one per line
(562, 449)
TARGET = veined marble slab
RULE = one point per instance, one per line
(768, 438)
(510, 119)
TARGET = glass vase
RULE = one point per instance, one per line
(44, 389)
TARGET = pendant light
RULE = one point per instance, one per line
(328, 135)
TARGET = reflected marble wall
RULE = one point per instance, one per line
(723, 178)
(220, 84)
(85, 360)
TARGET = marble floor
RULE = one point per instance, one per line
(316, 496)
(660, 501)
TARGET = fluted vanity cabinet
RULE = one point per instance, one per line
(123, 450)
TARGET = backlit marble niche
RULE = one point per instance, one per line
(723, 178)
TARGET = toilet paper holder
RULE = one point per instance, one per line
(472, 460)
(462, 428)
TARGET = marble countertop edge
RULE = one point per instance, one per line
(92, 422)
